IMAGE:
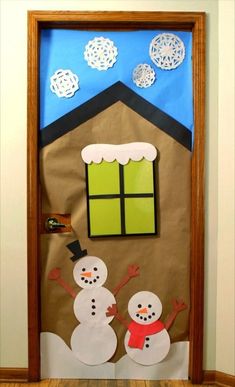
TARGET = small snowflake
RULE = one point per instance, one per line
(100, 53)
(167, 51)
(143, 75)
(64, 83)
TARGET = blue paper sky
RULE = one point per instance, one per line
(64, 49)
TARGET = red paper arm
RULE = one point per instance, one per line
(132, 271)
(178, 306)
(55, 275)
(113, 311)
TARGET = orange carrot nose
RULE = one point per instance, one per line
(86, 274)
(143, 310)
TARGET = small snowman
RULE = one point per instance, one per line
(93, 341)
(147, 341)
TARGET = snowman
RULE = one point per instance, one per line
(93, 341)
(147, 341)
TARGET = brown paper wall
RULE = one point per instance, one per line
(164, 259)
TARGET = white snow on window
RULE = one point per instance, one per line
(100, 53)
(167, 51)
(64, 83)
(135, 151)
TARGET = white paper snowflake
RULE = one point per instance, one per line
(64, 83)
(143, 75)
(167, 51)
(100, 53)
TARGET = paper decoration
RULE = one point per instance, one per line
(133, 48)
(76, 249)
(90, 272)
(64, 83)
(145, 307)
(135, 151)
(55, 275)
(132, 272)
(94, 345)
(167, 51)
(58, 361)
(90, 306)
(105, 102)
(147, 341)
(156, 348)
(121, 196)
(62, 332)
(100, 53)
(93, 341)
(143, 75)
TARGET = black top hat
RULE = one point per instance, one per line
(75, 248)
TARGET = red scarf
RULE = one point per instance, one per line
(139, 332)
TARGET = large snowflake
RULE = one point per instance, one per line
(100, 53)
(167, 51)
(64, 83)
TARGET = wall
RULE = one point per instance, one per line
(218, 347)
(225, 326)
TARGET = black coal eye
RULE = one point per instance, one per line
(139, 306)
(149, 306)
(95, 268)
(83, 269)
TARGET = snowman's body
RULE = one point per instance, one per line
(155, 348)
(93, 341)
(93, 345)
(145, 308)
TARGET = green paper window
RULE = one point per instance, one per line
(121, 198)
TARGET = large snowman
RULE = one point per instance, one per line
(146, 341)
(93, 341)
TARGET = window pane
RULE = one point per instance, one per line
(138, 177)
(103, 178)
(105, 217)
(140, 215)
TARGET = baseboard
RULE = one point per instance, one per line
(13, 374)
(218, 378)
(209, 377)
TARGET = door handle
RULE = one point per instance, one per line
(52, 224)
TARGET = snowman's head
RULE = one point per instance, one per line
(145, 307)
(90, 272)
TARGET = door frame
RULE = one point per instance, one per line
(187, 21)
